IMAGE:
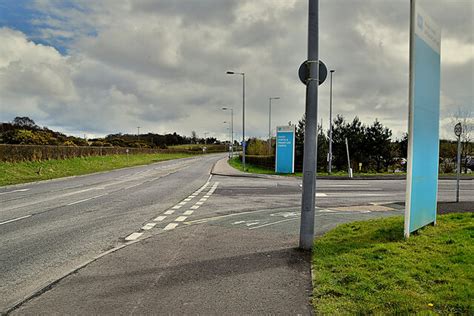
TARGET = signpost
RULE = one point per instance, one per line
(285, 149)
(423, 121)
(458, 132)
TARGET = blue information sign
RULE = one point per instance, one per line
(285, 149)
(423, 121)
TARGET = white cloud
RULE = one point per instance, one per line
(161, 64)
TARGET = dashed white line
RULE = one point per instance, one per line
(15, 219)
(148, 226)
(187, 200)
(176, 207)
(273, 223)
(206, 196)
(80, 201)
(170, 226)
(133, 236)
(159, 218)
(188, 212)
(19, 190)
(169, 212)
(195, 207)
(199, 203)
(181, 219)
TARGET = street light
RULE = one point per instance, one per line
(270, 122)
(205, 137)
(330, 125)
(231, 128)
(243, 113)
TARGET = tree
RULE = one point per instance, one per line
(299, 146)
(24, 122)
(377, 139)
(194, 137)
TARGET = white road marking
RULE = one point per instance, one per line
(176, 207)
(188, 212)
(169, 212)
(182, 203)
(238, 222)
(15, 219)
(252, 223)
(203, 199)
(19, 190)
(321, 194)
(148, 226)
(171, 226)
(181, 219)
(207, 196)
(187, 200)
(159, 218)
(133, 236)
(199, 203)
(194, 207)
(273, 223)
(132, 186)
(88, 199)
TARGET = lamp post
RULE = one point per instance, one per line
(231, 128)
(270, 122)
(243, 113)
(138, 133)
(330, 125)
(205, 137)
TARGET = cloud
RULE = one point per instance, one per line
(161, 64)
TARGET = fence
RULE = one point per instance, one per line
(15, 153)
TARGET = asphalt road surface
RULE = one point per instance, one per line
(51, 228)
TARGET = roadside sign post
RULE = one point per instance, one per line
(423, 121)
(285, 149)
(310, 131)
(458, 132)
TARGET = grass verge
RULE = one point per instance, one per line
(28, 171)
(369, 268)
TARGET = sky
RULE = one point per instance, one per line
(94, 68)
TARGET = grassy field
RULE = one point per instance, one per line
(369, 268)
(28, 171)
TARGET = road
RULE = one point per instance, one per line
(50, 228)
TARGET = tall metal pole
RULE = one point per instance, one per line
(270, 122)
(310, 141)
(330, 126)
(244, 145)
(269, 125)
(458, 168)
(243, 113)
(232, 132)
(138, 133)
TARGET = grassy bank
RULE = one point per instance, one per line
(28, 171)
(368, 268)
(237, 164)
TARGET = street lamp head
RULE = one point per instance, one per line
(332, 70)
(275, 98)
(224, 108)
(230, 72)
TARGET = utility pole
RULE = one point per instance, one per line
(138, 133)
(310, 142)
(205, 137)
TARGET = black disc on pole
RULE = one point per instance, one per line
(303, 72)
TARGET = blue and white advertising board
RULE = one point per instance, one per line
(423, 121)
(285, 149)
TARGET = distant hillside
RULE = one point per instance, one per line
(24, 131)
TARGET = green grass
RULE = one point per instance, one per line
(369, 268)
(28, 171)
(237, 164)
